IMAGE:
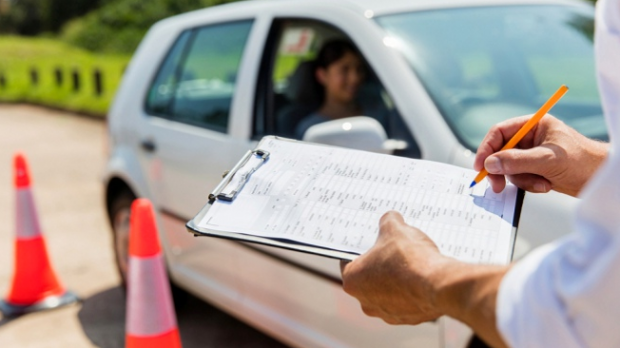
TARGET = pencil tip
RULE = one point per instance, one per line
(473, 183)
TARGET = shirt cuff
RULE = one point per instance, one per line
(512, 298)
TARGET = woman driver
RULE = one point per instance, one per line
(339, 72)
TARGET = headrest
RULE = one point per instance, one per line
(302, 86)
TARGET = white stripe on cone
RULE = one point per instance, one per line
(27, 224)
(149, 303)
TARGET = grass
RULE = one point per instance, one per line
(20, 55)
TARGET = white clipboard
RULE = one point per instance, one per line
(236, 179)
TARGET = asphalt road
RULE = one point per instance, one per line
(66, 154)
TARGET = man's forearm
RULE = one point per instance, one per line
(468, 293)
(598, 151)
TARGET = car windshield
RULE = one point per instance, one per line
(482, 65)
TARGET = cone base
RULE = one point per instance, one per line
(170, 339)
(14, 310)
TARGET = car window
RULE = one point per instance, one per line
(483, 65)
(288, 91)
(162, 89)
(198, 87)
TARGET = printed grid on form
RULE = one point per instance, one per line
(333, 197)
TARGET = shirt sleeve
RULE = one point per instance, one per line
(564, 294)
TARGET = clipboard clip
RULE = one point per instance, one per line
(235, 179)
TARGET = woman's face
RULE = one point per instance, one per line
(342, 78)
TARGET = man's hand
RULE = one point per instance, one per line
(393, 279)
(552, 156)
(403, 279)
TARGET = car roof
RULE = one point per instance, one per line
(381, 7)
(367, 8)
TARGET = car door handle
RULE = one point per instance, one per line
(148, 145)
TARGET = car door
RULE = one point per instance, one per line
(285, 96)
(186, 138)
(301, 290)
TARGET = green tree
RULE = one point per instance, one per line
(58, 12)
(32, 17)
(24, 18)
(118, 26)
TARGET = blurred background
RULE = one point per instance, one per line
(72, 54)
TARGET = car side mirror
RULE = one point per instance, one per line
(361, 132)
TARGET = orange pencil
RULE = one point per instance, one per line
(526, 128)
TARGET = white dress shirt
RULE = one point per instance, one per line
(567, 294)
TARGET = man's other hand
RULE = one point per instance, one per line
(552, 156)
(392, 280)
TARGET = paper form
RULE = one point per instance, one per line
(334, 198)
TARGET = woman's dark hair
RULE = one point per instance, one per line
(330, 52)
(333, 51)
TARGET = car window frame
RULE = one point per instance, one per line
(263, 106)
(187, 47)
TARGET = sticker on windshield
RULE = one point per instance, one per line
(296, 42)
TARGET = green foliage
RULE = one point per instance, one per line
(116, 29)
(58, 12)
(32, 17)
(24, 18)
(20, 55)
(118, 26)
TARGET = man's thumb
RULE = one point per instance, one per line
(519, 161)
(391, 222)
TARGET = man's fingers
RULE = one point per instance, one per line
(392, 320)
(350, 272)
(498, 182)
(519, 161)
(370, 311)
(343, 265)
(524, 168)
(531, 182)
(495, 139)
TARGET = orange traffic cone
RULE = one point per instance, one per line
(151, 321)
(35, 285)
